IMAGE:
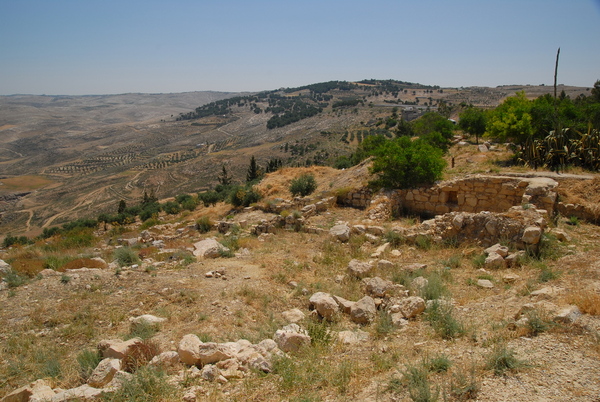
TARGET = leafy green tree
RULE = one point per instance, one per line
(511, 120)
(596, 91)
(473, 121)
(431, 122)
(404, 128)
(402, 163)
(209, 198)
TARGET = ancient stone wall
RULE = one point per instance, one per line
(359, 198)
(471, 194)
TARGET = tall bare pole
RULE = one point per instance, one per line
(556, 71)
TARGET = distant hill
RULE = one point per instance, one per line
(63, 157)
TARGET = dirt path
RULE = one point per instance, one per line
(79, 204)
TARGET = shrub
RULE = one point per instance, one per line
(10, 240)
(14, 279)
(204, 224)
(464, 386)
(546, 274)
(303, 185)
(538, 322)
(418, 384)
(171, 207)
(126, 256)
(319, 333)
(244, 197)
(383, 324)
(503, 359)
(440, 316)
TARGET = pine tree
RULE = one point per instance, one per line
(253, 171)
(224, 178)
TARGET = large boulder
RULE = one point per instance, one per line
(344, 305)
(359, 269)
(84, 392)
(352, 337)
(293, 315)
(4, 267)
(291, 338)
(211, 352)
(532, 235)
(147, 319)
(363, 311)
(104, 372)
(494, 260)
(567, 315)
(209, 248)
(340, 232)
(118, 349)
(498, 249)
(325, 305)
(38, 390)
(412, 306)
(378, 287)
(166, 359)
(189, 349)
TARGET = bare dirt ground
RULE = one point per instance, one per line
(47, 322)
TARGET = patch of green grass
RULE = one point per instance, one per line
(384, 361)
(435, 288)
(440, 317)
(438, 364)
(538, 322)
(453, 261)
(547, 274)
(394, 238)
(143, 330)
(319, 332)
(383, 323)
(502, 360)
(56, 262)
(148, 223)
(479, 261)
(423, 242)
(88, 360)
(147, 384)
(419, 386)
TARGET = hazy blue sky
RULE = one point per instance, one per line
(98, 47)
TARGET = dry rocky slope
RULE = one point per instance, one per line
(329, 297)
(63, 157)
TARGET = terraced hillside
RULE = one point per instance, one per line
(64, 157)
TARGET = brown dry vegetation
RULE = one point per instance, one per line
(47, 323)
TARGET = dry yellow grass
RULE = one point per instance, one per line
(24, 183)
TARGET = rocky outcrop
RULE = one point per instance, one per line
(209, 248)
